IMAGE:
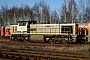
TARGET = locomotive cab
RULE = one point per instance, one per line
(82, 33)
(22, 26)
(20, 31)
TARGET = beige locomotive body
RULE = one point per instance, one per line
(56, 33)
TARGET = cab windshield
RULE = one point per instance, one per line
(22, 23)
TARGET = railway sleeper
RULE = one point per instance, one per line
(1, 55)
(65, 56)
(17, 56)
(7, 56)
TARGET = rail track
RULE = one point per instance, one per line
(38, 44)
(37, 55)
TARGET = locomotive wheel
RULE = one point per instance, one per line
(20, 39)
(12, 38)
(23, 39)
(64, 41)
(15, 38)
(57, 41)
(51, 41)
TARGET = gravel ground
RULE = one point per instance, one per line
(83, 49)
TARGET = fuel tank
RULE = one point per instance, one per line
(37, 38)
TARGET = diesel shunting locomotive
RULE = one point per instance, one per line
(52, 33)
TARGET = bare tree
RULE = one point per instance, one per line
(13, 15)
(82, 11)
(36, 12)
(21, 12)
(64, 13)
(28, 12)
(4, 15)
(41, 12)
(72, 10)
(54, 17)
(46, 14)
(41, 5)
(87, 15)
(0, 19)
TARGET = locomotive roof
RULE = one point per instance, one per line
(50, 24)
(28, 22)
(82, 23)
